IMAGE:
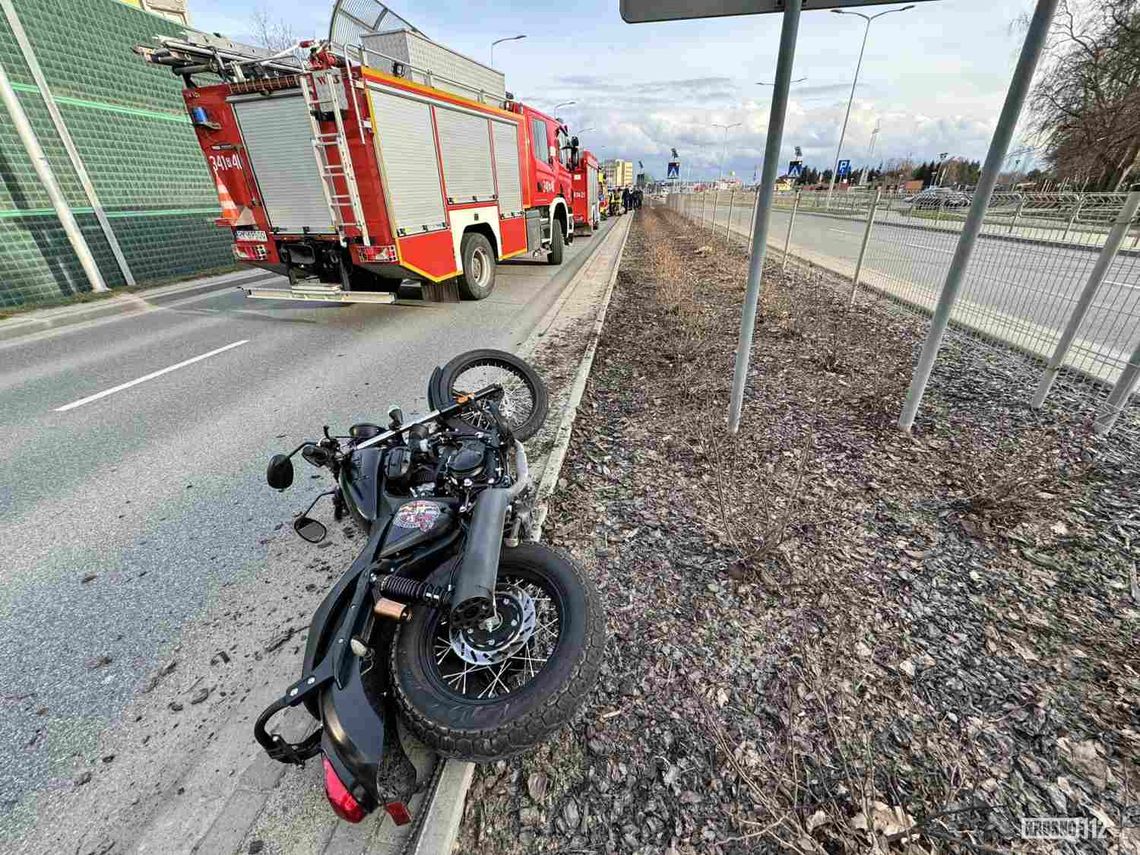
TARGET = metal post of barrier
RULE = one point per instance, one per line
(752, 222)
(763, 218)
(77, 164)
(788, 236)
(1073, 217)
(941, 208)
(863, 246)
(50, 183)
(999, 145)
(1120, 395)
(1084, 302)
(716, 201)
(1016, 214)
(728, 225)
(704, 208)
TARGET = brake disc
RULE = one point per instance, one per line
(493, 642)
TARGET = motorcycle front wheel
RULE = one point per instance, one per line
(490, 692)
(525, 400)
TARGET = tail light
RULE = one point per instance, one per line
(399, 813)
(373, 254)
(343, 803)
(250, 252)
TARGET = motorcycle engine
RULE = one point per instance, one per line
(468, 460)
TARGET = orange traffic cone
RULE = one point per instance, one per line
(230, 212)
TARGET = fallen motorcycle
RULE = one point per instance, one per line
(481, 642)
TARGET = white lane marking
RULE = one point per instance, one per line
(1120, 284)
(934, 248)
(841, 231)
(146, 377)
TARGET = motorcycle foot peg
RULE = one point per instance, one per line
(391, 610)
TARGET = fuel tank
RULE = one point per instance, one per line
(415, 522)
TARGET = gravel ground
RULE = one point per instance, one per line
(826, 635)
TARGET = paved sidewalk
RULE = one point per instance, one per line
(125, 304)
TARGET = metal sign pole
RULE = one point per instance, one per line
(763, 214)
(1010, 113)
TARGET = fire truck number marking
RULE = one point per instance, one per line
(220, 162)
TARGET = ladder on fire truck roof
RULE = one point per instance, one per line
(325, 94)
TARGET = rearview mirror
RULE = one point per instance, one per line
(279, 473)
(310, 529)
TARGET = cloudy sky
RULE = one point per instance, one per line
(934, 77)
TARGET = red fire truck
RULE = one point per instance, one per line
(587, 215)
(350, 176)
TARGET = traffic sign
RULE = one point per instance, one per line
(644, 11)
(674, 170)
(796, 169)
(844, 169)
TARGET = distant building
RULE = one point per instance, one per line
(619, 173)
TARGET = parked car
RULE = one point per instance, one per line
(933, 198)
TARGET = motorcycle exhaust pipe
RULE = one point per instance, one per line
(473, 600)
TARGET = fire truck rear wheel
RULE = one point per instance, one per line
(478, 279)
(557, 242)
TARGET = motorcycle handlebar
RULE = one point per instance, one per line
(443, 412)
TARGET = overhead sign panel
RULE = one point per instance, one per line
(646, 11)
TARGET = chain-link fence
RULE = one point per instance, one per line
(1054, 276)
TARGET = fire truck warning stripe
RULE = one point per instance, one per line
(180, 118)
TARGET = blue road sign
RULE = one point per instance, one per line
(674, 170)
(844, 169)
(796, 169)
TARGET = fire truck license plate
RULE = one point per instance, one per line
(256, 236)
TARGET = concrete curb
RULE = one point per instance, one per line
(124, 304)
(445, 804)
(570, 411)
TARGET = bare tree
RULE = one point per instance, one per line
(1086, 103)
(270, 32)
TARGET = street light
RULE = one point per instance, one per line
(724, 150)
(504, 39)
(851, 98)
(563, 104)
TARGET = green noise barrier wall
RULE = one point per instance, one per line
(130, 126)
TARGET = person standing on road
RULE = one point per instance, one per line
(625, 198)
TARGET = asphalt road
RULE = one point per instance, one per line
(1020, 291)
(155, 494)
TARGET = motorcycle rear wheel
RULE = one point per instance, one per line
(528, 687)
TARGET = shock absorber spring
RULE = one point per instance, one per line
(407, 590)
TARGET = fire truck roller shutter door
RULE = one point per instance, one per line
(279, 142)
(411, 171)
(507, 167)
(465, 147)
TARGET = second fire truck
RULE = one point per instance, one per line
(351, 176)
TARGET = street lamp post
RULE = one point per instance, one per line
(724, 149)
(854, 83)
(554, 109)
(504, 39)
